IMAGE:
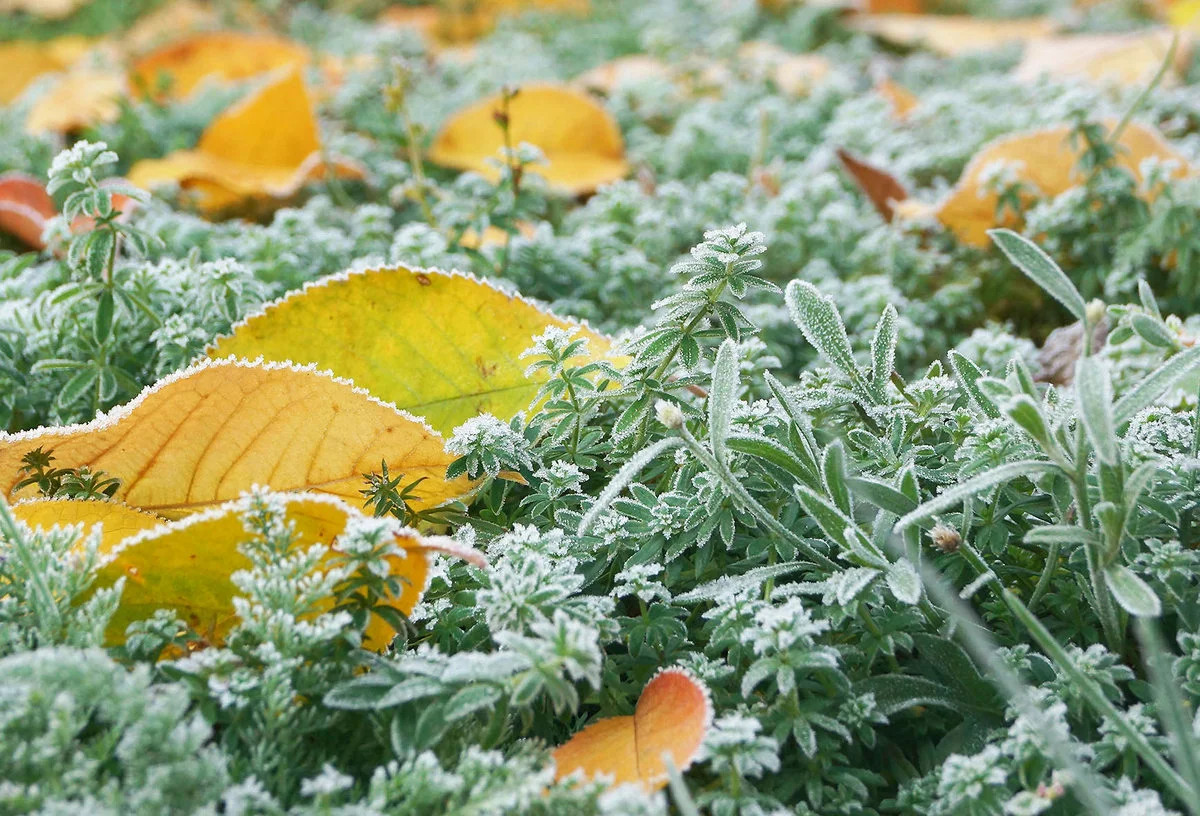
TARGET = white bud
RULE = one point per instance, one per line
(1095, 312)
(669, 414)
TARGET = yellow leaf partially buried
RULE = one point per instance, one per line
(672, 716)
(213, 56)
(581, 141)
(1126, 59)
(186, 565)
(81, 98)
(948, 34)
(207, 434)
(265, 146)
(24, 61)
(444, 346)
(1044, 162)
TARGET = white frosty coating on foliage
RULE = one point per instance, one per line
(121, 412)
(365, 268)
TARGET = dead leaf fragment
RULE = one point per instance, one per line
(1042, 161)
(672, 716)
(266, 146)
(950, 35)
(794, 74)
(203, 436)
(880, 187)
(25, 207)
(900, 98)
(1125, 59)
(82, 98)
(580, 139)
(213, 56)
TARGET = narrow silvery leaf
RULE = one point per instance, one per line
(624, 476)
(1060, 534)
(1153, 331)
(968, 376)
(1146, 296)
(1021, 376)
(822, 326)
(851, 583)
(1028, 414)
(904, 582)
(984, 481)
(1093, 390)
(1043, 271)
(1133, 594)
(833, 468)
(1151, 388)
(723, 397)
(881, 494)
(883, 350)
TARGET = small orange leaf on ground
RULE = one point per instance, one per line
(1126, 58)
(880, 187)
(25, 207)
(266, 146)
(186, 565)
(444, 346)
(900, 98)
(951, 35)
(203, 436)
(81, 98)
(580, 139)
(213, 56)
(1043, 161)
(672, 717)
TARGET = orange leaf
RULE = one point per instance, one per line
(581, 141)
(672, 717)
(951, 35)
(179, 18)
(25, 207)
(1126, 58)
(205, 435)
(266, 146)
(880, 187)
(1044, 160)
(219, 55)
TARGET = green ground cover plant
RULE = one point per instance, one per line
(922, 558)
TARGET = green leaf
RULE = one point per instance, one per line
(904, 581)
(102, 325)
(968, 376)
(984, 481)
(1094, 391)
(833, 470)
(468, 700)
(883, 350)
(881, 494)
(1029, 258)
(896, 692)
(1133, 594)
(1153, 331)
(767, 449)
(823, 328)
(1151, 388)
(722, 399)
(1028, 414)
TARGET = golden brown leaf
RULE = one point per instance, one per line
(203, 436)
(581, 141)
(213, 56)
(266, 146)
(880, 187)
(81, 98)
(24, 61)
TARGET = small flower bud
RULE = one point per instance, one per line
(945, 538)
(1095, 312)
(669, 414)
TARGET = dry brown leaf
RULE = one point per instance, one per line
(266, 146)
(25, 207)
(213, 56)
(1126, 59)
(205, 435)
(1044, 160)
(951, 35)
(880, 187)
(82, 98)
(581, 140)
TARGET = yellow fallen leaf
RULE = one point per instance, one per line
(24, 61)
(1126, 59)
(118, 521)
(900, 98)
(461, 21)
(186, 565)
(950, 35)
(672, 716)
(179, 18)
(794, 74)
(1044, 160)
(444, 346)
(203, 436)
(582, 142)
(266, 146)
(1184, 14)
(494, 236)
(213, 56)
(82, 98)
